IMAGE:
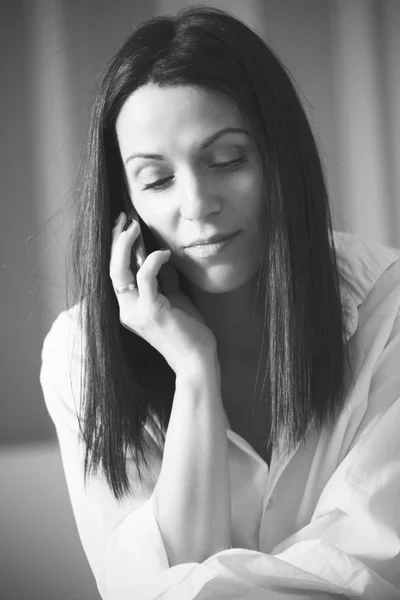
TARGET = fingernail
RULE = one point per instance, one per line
(117, 220)
(128, 224)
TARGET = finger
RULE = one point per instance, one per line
(118, 227)
(120, 270)
(146, 277)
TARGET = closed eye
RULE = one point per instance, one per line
(157, 184)
(230, 163)
(161, 183)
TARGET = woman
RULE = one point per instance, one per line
(239, 396)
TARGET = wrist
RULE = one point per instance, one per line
(199, 366)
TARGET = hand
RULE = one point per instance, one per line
(170, 323)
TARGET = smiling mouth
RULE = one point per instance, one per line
(210, 249)
(212, 241)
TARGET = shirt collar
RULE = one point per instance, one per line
(361, 263)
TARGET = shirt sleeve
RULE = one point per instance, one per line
(121, 540)
(353, 537)
(350, 548)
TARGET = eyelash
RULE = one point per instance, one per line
(223, 165)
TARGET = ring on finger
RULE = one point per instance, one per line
(126, 288)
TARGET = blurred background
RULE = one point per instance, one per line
(343, 54)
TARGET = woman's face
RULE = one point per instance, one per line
(193, 172)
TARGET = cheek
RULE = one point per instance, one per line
(148, 212)
(160, 224)
(247, 189)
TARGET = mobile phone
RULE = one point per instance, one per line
(139, 253)
(145, 242)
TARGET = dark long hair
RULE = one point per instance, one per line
(127, 382)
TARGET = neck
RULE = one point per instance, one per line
(236, 319)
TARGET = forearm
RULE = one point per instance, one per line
(192, 494)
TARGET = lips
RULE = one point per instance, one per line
(212, 239)
(209, 251)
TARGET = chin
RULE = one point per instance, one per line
(219, 281)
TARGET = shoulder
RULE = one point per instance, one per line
(64, 330)
(370, 273)
(369, 278)
(363, 262)
(61, 369)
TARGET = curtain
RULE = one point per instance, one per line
(343, 55)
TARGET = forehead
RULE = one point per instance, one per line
(175, 116)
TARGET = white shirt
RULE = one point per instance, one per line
(322, 521)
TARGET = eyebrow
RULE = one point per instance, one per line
(208, 142)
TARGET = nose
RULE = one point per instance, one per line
(198, 198)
